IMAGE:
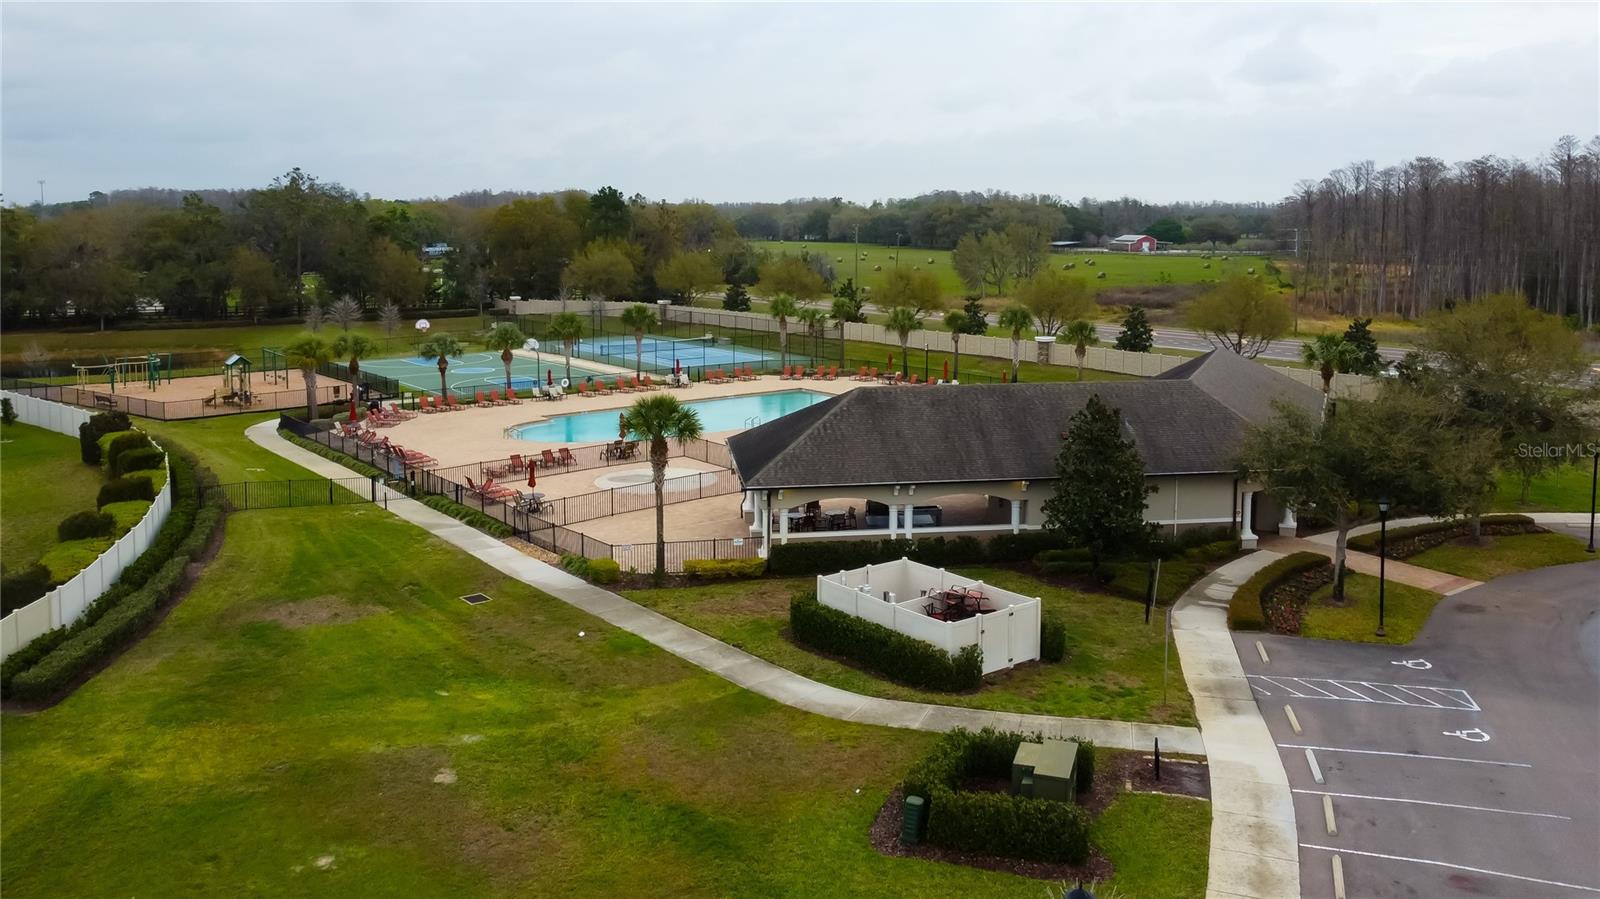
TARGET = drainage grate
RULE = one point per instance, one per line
(474, 598)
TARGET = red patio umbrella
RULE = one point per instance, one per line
(533, 478)
(550, 376)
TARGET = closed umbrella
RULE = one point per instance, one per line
(533, 478)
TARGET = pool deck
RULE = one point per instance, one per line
(473, 435)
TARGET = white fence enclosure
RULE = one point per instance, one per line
(64, 604)
(897, 596)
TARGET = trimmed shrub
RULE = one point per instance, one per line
(126, 514)
(1064, 562)
(604, 571)
(962, 753)
(1052, 639)
(713, 569)
(137, 460)
(8, 413)
(333, 455)
(119, 490)
(79, 525)
(65, 560)
(1024, 546)
(1247, 611)
(827, 556)
(20, 587)
(99, 424)
(575, 565)
(1002, 824)
(117, 444)
(893, 655)
(494, 527)
(1214, 551)
(1083, 767)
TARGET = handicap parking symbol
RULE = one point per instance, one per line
(1475, 735)
(1418, 664)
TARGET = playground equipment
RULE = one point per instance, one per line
(274, 366)
(129, 370)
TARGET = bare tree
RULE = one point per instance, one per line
(344, 312)
(389, 319)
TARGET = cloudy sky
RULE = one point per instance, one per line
(728, 102)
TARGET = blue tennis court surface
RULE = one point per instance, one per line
(475, 371)
(661, 354)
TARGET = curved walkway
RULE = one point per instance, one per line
(736, 665)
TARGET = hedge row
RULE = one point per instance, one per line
(98, 425)
(120, 490)
(599, 571)
(997, 823)
(49, 664)
(467, 515)
(83, 524)
(894, 655)
(1247, 611)
(713, 569)
(333, 455)
(1408, 541)
(122, 442)
(148, 457)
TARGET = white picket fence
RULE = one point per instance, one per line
(63, 605)
(893, 594)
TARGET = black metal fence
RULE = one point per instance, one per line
(545, 525)
(245, 495)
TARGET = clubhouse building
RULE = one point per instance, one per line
(980, 459)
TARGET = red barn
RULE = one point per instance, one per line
(1133, 243)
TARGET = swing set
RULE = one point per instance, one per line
(150, 370)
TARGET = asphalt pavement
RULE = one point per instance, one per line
(1467, 763)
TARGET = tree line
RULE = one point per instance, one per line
(1422, 235)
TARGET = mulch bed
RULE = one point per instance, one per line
(1116, 772)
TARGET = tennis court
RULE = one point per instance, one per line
(662, 353)
(475, 371)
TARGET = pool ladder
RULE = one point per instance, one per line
(751, 422)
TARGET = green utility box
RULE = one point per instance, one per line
(1046, 770)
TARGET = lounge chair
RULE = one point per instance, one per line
(518, 463)
(648, 383)
(566, 456)
(547, 459)
(396, 412)
(601, 389)
(785, 375)
(623, 388)
(583, 389)
(451, 405)
(491, 490)
(916, 379)
(860, 375)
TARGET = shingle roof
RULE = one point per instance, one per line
(1128, 238)
(1006, 432)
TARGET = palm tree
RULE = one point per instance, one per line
(1081, 335)
(814, 321)
(1330, 353)
(506, 337)
(659, 418)
(782, 308)
(956, 323)
(307, 353)
(441, 347)
(902, 321)
(640, 318)
(354, 347)
(567, 327)
(1016, 318)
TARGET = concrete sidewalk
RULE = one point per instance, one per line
(1254, 850)
(1366, 563)
(736, 665)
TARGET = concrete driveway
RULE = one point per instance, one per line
(1467, 763)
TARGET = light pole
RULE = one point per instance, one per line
(1383, 553)
(856, 283)
(897, 249)
(1594, 479)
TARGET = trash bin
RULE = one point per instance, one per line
(911, 821)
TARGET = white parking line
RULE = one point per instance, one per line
(1405, 755)
(1408, 695)
(1426, 861)
(1473, 808)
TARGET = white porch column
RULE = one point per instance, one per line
(783, 526)
(1016, 515)
(1288, 525)
(907, 507)
(1247, 537)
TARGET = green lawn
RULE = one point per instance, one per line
(1175, 870)
(42, 480)
(1406, 610)
(1122, 269)
(1502, 555)
(322, 716)
(1112, 670)
(1564, 489)
(221, 444)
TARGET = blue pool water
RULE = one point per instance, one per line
(727, 414)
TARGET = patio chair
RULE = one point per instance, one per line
(916, 379)
(451, 404)
(833, 373)
(491, 490)
(566, 457)
(622, 388)
(629, 449)
(518, 463)
(649, 384)
(511, 399)
(403, 414)
(547, 459)
(601, 389)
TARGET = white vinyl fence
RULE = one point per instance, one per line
(894, 595)
(64, 604)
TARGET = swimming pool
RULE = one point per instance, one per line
(727, 414)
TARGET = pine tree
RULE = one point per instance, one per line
(1359, 335)
(1099, 498)
(737, 299)
(976, 323)
(1136, 336)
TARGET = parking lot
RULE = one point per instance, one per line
(1467, 763)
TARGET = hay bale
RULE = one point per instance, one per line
(1101, 276)
(877, 268)
(930, 260)
(1207, 265)
(1250, 271)
(838, 259)
(1088, 262)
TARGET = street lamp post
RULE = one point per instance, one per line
(1594, 480)
(1383, 553)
